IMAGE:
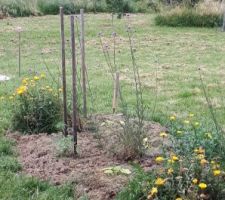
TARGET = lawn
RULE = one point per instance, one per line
(168, 58)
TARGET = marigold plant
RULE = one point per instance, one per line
(36, 106)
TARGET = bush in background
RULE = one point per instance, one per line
(21, 8)
(189, 18)
(202, 15)
(37, 108)
(18, 8)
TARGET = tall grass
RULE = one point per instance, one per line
(18, 8)
(206, 14)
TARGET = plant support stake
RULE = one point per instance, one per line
(84, 70)
(115, 91)
(74, 83)
(63, 71)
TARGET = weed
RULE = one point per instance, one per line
(64, 146)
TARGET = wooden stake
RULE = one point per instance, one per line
(223, 28)
(19, 40)
(74, 85)
(84, 70)
(115, 91)
(63, 71)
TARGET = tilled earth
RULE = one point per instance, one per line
(37, 153)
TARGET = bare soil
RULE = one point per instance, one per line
(37, 153)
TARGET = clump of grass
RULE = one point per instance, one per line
(189, 17)
(64, 146)
(5, 147)
(14, 186)
(8, 163)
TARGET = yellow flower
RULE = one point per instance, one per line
(179, 132)
(21, 90)
(201, 156)
(179, 198)
(154, 190)
(216, 172)
(163, 134)
(196, 124)
(202, 186)
(159, 159)
(199, 150)
(213, 162)
(195, 181)
(170, 161)
(191, 115)
(60, 89)
(172, 118)
(160, 181)
(36, 78)
(186, 121)
(43, 75)
(25, 81)
(203, 161)
(170, 171)
(175, 158)
(208, 135)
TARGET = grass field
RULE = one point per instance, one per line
(168, 59)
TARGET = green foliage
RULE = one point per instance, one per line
(134, 189)
(5, 147)
(37, 108)
(189, 18)
(16, 187)
(9, 163)
(20, 8)
(52, 7)
(64, 146)
(190, 168)
(16, 8)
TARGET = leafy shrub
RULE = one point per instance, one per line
(189, 18)
(52, 7)
(191, 169)
(37, 107)
(64, 146)
(16, 8)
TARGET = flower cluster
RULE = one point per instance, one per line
(191, 168)
(36, 107)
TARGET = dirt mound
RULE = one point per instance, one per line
(37, 153)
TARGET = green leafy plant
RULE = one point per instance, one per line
(191, 168)
(37, 107)
(64, 146)
(189, 18)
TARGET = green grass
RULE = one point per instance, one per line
(174, 54)
(15, 186)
